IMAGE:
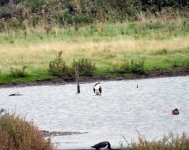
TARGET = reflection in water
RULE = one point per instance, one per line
(135, 105)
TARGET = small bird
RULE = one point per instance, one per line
(97, 88)
(101, 145)
(15, 94)
(175, 111)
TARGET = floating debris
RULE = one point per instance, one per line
(15, 94)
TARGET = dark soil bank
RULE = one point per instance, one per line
(58, 81)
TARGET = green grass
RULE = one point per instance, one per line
(162, 45)
(147, 29)
(32, 76)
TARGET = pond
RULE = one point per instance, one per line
(122, 110)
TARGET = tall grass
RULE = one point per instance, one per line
(18, 134)
(145, 28)
(158, 41)
(170, 142)
(38, 56)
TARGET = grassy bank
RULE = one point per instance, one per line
(163, 45)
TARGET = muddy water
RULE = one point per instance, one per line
(121, 110)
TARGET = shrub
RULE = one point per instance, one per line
(18, 72)
(182, 66)
(86, 68)
(17, 134)
(137, 66)
(58, 66)
(132, 66)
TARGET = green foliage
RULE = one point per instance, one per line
(83, 12)
(132, 66)
(137, 66)
(18, 72)
(17, 134)
(160, 52)
(58, 66)
(86, 68)
(184, 66)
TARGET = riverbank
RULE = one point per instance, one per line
(145, 48)
(61, 81)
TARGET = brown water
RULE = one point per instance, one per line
(121, 110)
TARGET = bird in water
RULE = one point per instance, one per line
(15, 94)
(102, 145)
(175, 111)
(97, 88)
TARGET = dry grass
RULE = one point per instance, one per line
(170, 142)
(18, 134)
(39, 54)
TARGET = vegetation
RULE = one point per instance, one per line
(18, 72)
(132, 66)
(153, 35)
(103, 37)
(170, 142)
(58, 67)
(47, 13)
(85, 66)
(18, 134)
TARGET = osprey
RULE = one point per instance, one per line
(97, 88)
(102, 145)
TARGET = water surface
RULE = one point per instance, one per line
(121, 110)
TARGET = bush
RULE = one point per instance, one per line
(58, 66)
(132, 66)
(17, 134)
(137, 67)
(18, 72)
(86, 68)
(182, 66)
